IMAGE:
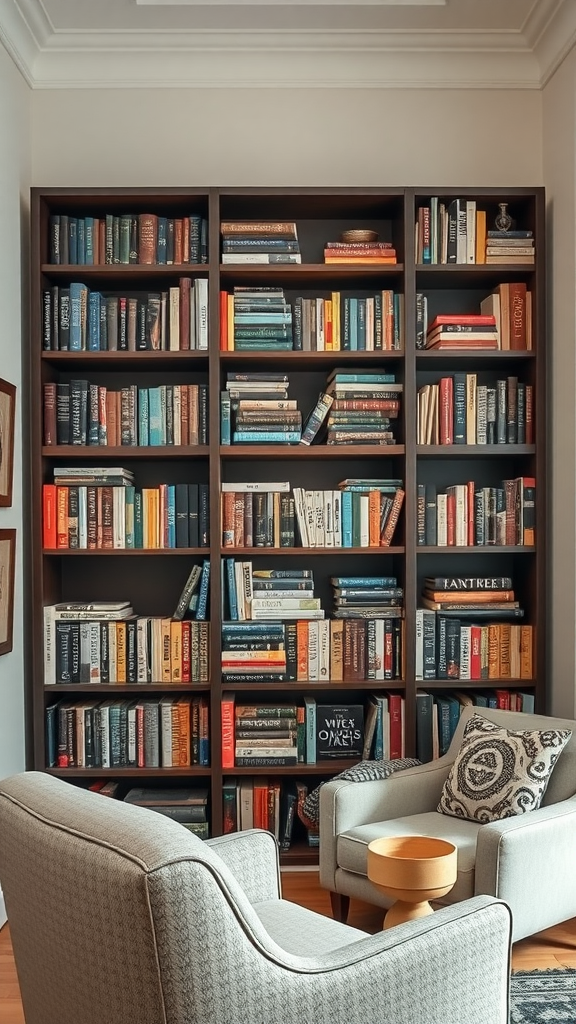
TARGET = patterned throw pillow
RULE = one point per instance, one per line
(499, 773)
(365, 771)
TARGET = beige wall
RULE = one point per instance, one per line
(286, 137)
(559, 144)
(14, 191)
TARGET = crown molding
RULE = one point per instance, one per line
(67, 59)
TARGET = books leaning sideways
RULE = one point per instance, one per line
(259, 241)
(462, 331)
(187, 805)
(364, 405)
(369, 253)
(505, 247)
(255, 409)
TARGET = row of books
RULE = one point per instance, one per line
(264, 319)
(188, 805)
(87, 516)
(459, 410)
(134, 649)
(148, 732)
(437, 715)
(269, 515)
(467, 644)
(456, 232)
(339, 649)
(467, 515)
(269, 735)
(76, 319)
(84, 413)
(510, 306)
(127, 238)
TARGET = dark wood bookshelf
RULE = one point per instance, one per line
(153, 587)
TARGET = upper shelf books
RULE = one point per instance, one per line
(131, 238)
(260, 242)
(456, 232)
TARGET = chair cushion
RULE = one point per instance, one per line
(498, 772)
(304, 932)
(352, 846)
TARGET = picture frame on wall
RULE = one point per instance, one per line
(7, 422)
(7, 576)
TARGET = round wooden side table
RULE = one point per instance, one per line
(411, 870)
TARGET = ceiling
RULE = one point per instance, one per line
(514, 44)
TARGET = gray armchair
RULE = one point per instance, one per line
(119, 915)
(525, 860)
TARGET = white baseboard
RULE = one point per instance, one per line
(3, 917)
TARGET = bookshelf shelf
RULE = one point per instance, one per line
(65, 575)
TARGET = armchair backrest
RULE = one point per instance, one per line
(115, 911)
(562, 783)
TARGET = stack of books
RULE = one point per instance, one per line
(360, 252)
(370, 597)
(462, 331)
(255, 319)
(266, 736)
(364, 404)
(255, 409)
(259, 241)
(505, 247)
(187, 806)
(250, 595)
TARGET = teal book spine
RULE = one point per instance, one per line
(130, 541)
(266, 436)
(353, 325)
(343, 377)
(346, 519)
(232, 597)
(89, 240)
(171, 515)
(155, 432)
(310, 719)
(81, 241)
(143, 418)
(361, 332)
(225, 418)
(138, 520)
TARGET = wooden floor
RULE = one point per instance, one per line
(555, 947)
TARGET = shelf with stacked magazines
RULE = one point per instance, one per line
(347, 273)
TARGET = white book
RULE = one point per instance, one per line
(112, 652)
(323, 649)
(142, 649)
(94, 652)
(104, 728)
(370, 324)
(157, 650)
(301, 518)
(71, 616)
(319, 524)
(287, 603)
(286, 613)
(364, 521)
(166, 731)
(379, 646)
(49, 646)
(310, 519)
(465, 641)
(461, 515)
(259, 257)
(193, 333)
(247, 588)
(177, 414)
(481, 413)
(201, 296)
(471, 414)
(132, 735)
(337, 517)
(119, 517)
(419, 666)
(246, 486)
(320, 327)
(313, 655)
(246, 818)
(85, 640)
(174, 319)
(328, 520)
(441, 521)
(471, 231)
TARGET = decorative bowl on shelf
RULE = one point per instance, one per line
(359, 235)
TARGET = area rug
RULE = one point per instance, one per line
(543, 997)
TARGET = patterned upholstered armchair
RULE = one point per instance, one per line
(525, 860)
(119, 915)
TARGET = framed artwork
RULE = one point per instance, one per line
(7, 565)
(7, 420)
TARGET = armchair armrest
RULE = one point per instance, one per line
(345, 805)
(521, 860)
(252, 857)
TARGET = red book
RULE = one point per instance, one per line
(186, 652)
(517, 314)
(395, 710)
(529, 414)
(475, 649)
(184, 285)
(450, 520)
(481, 319)
(228, 731)
(388, 649)
(446, 410)
(49, 516)
(148, 237)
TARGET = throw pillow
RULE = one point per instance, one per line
(499, 773)
(364, 771)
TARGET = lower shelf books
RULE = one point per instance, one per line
(188, 806)
(437, 715)
(270, 803)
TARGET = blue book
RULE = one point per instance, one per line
(81, 240)
(89, 240)
(353, 326)
(155, 431)
(310, 720)
(93, 339)
(361, 332)
(130, 493)
(237, 629)
(364, 581)
(138, 520)
(345, 329)
(75, 338)
(266, 436)
(346, 518)
(344, 377)
(263, 318)
(225, 418)
(232, 596)
(171, 515)
(73, 240)
(202, 607)
(143, 418)
(162, 241)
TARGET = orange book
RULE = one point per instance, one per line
(526, 670)
(517, 314)
(505, 666)
(230, 331)
(223, 321)
(387, 319)
(374, 519)
(175, 651)
(527, 530)
(184, 746)
(185, 648)
(121, 652)
(193, 415)
(387, 534)
(228, 505)
(228, 731)
(515, 650)
(302, 649)
(61, 517)
(49, 527)
(494, 650)
(469, 596)
(480, 236)
(336, 650)
(475, 652)
(178, 240)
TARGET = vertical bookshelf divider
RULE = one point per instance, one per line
(52, 577)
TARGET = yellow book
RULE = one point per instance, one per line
(336, 650)
(336, 321)
(120, 652)
(175, 652)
